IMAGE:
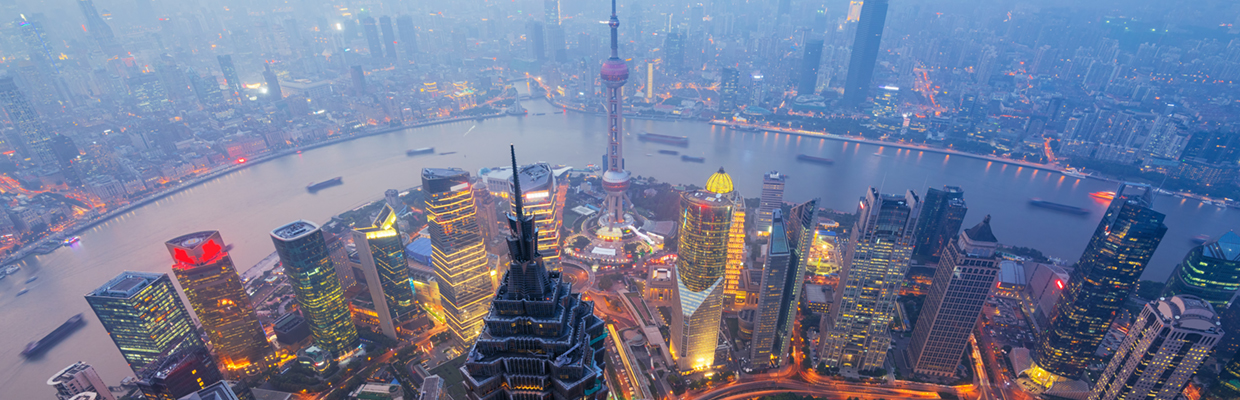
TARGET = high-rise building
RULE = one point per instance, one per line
(960, 287)
(274, 91)
(541, 340)
(614, 73)
(99, 30)
(705, 224)
(551, 12)
(230, 75)
(874, 266)
(729, 89)
(148, 92)
(459, 255)
(308, 266)
(389, 37)
(408, 35)
(545, 194)
(178, 374)
(144, 317)
(1230, 377)
(1210, 271)
(808, 81)
(67, 158)
(1103, 279)
(783, 277)
(674, 50)
(942, 213)
(381, 249)
(536, 40)
(864, 52)
(36, 138)
(772, 199)
(79, 378)
(1162, 350)
(371, 30)
(736, 253)
(205, 270)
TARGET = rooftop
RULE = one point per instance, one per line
(720, 182)
(294, 230)
(1226, 247)
(125, 285)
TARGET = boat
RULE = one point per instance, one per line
(424, 150)
(447, 153)
(1075, 173)
(23, 291)
(31, 279)
(690, 158)
(813, 159)
(1199, 239)
(39, 346)
(1103, 195)
(1216, 203)
(72, 240)
(669, 152)
(12, 269)
(314, 187)
(1058, 207)
(665, 139)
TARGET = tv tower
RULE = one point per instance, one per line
(616, 179)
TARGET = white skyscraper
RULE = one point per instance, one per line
(1163, 349)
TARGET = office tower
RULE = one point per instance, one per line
(705, 222)
(1210, 271)
(729, 89)
(874, 266)
(960, 287)
(541, 340)
(736, 253)
(942, 213)
(144, 316)
(389, 37)
(381, 249)
(1230, 377)
(216, 391)
(99, 30)
(864, 52)
(148, 93)
(772, 199)
(309, 269)
(459, 256)
(230, 75)
(808, 81)
(1106, 274)
(359, 79)
(371, 31)
(67, 153)
(79, 378)
(674, 50)
(545, 195)
(536, 40)
(178, 374)
(551, 12)
(36, 138)
(206, 89)
(783, 277)
(408, 35)
(209, 278)
(758, 88)
(614, 73)
(1162, 350)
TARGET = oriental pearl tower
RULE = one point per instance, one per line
(615, 179)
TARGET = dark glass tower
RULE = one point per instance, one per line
(273, 83)
(809, 66)
(864, 52)
(207, 275)
(782, 280)
(230, 74)
(540, 340)
(389, 37)
(144, 316)
(99, 29)
(408, 35)
(1210, 271)
(371, 31)
(36, 138)
(382, 253)
(1104, 277)
(729, 88)
(308, 266)
(940, 221)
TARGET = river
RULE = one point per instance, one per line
(245, 205)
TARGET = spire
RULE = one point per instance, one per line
(516, 181)
(614, 23)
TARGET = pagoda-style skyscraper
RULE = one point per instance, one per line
(615, 178)
(540, 340)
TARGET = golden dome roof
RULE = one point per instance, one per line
(720, 182)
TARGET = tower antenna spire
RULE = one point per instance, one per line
(516, 182)
(614, 23)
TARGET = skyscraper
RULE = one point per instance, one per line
(961, 285)
(874, 265)
(36, 138)
(206, 273)
(1162, 350)
(736, 253)
(782, 280)
(99, 30)
(67, 158)
(371, 31)
(389, 37)
(729, 89)
(458, 253)
(79, 378)
(1210, 271)
(772, 199)
(541, 340)
(1106, 274)
(864, 52)
(614, 73)
(408, 35)
(808, 81)
(274, 91)
(941, 216)
(309, 269)
(144, 317)
(178, 374)
(382, 253)
(536, 40)
(230, 75)
(545, 194)
(705, 222)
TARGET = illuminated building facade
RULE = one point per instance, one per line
(545, 195)
(614, 74)
(540, 340)
(458, 254)
(1210, 271)
(874, 267)
(705, 224)
(736, 253)
(382, 254)
(870, 21)
(961, 285)
(772, 199)
(783, 278)
(178, 374)
(36, 138)
(1162, 350)
(308, 266)
(144, 316)
(206, 273)
(1104, 277)
(942, 214)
